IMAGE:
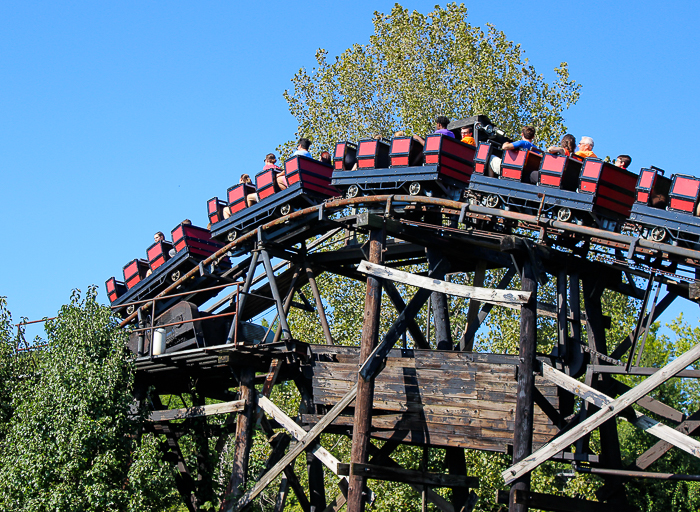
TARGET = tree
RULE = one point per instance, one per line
(71, 436)
(416, 67)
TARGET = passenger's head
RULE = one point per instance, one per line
(304, 143)
(623, 161)
(158, 237)
(400, 133)
(245, 179)
(187, 222)
(326, 157)
(528, 132)
(586, 143)
(442, 122)
(568, 142)
(467, 131)
(377, 136)
(270, 158)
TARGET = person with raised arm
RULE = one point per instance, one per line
(527, 135)
(566, 147)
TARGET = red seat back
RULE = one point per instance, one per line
(215, 210)
(684, 193)
(158, 253)
(373, 154)
(517, 165)
(134, 272)
(345, 156)
(482, 157)
(560, 172)
(115, 289)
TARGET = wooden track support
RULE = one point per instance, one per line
(365, 387)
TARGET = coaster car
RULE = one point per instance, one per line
(308, 183)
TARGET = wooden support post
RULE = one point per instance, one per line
(286, 333)
(457, 465)
(610, 454)
(525, 406)
(244, 435)
(365, 388)
(281, 495)
(319, 305)
(441, 315)
(562, 319)
(317, 487)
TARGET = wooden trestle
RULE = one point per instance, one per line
(437, 394)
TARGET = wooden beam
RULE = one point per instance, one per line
(508, 298)
(244, 436)
(639, 420)
(408, 476)
(609, 411)
(362, 423)
(304, 443)
(197, 411)
(561, 503)
(372, 365)
(297, 432)
(413, 328)
(281, 494)
(690, 426)
(525, 405)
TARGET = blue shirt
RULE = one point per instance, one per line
(445, 131)
(524, 145)
(302, 152)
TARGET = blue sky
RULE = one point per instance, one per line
(121, 119)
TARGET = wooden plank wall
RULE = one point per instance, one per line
(437, 398)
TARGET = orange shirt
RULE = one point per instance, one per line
(469, 140)
(586, 154)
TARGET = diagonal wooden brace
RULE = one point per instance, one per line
(304, 443)
(508, 298)
(641, 421)
(610, 410)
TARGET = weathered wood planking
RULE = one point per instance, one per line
(440, 398)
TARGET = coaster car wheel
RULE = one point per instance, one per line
(130, 309)
(564, 214)
(353, 191)
(285, 209)
(414, 188)
(232, 235)
(657, 234)
(175, 276)
(491, 201)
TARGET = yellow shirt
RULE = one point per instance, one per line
(586, 154)
(469, 140)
